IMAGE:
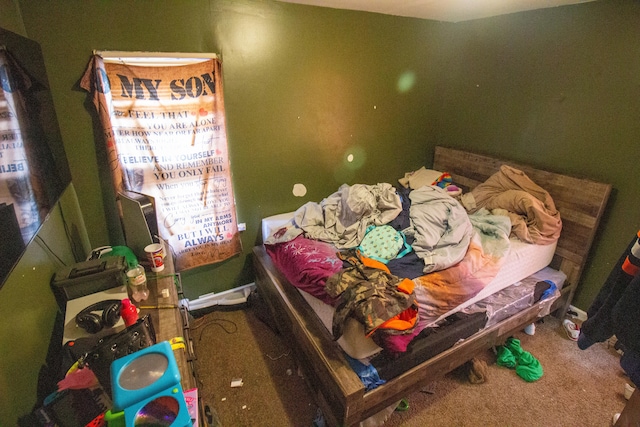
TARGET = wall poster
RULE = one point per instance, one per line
(164, 126)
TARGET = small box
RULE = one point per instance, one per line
(88, 277)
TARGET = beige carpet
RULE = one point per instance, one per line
(579, 387)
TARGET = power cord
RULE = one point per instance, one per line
(217, 322)
(48, 249)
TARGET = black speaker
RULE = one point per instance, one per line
(92, 322)
(139, 221)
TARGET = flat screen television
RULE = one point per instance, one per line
(33, 165)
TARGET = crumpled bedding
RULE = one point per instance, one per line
(462, 243)
(343, 217)
(440, 226)
(534, 217)
(487, 251)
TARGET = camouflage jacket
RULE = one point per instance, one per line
(367, 291)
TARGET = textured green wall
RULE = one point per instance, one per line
(28, 309)
(304, 86)
(557, 88)
(10, 18)
(27, 306)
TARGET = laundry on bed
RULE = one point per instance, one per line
(534, 217)
(366, 290)
(455, 251)
(292, 267)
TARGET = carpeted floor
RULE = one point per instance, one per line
(578, 388)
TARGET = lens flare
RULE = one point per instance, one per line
(406, 81)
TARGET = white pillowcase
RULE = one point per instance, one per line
(419, 178)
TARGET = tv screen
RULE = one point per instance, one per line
(33, 166)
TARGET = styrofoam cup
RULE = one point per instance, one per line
(155, 255)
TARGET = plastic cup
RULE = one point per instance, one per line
(155, 255)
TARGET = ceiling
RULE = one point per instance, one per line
(440, 10)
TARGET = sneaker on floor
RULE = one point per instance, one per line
(572, 330)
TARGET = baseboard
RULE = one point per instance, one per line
(231, 297)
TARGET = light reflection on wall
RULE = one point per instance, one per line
(253, 42)
(354, 159)
(406, 81)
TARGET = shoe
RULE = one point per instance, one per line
(572, 330)
(615, 418)
(530, 329)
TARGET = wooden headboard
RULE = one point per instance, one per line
(581, 203)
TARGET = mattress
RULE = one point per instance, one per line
(522, 261)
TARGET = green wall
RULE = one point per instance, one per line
(10, 18)
(305, 86)
(558, 88)
(28, 309)
(27, 306)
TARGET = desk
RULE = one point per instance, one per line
(165, 290)
(169, 320)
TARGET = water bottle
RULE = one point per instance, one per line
(137, 280)
(129, 312)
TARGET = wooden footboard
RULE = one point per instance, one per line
(338, 390)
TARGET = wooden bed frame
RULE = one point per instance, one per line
(337, 389)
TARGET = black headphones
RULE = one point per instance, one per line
(94, 323)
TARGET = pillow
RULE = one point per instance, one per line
(307, 264)
(419, 178)
(272, 223)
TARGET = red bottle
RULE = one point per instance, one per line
(129, 312)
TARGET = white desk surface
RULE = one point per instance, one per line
(75, 306)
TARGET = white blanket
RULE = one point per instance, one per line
(343, 217)
(441, 228)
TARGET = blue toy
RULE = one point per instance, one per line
(146, 389)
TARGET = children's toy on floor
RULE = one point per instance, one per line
(147, 391)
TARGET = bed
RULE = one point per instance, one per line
(338, 390)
